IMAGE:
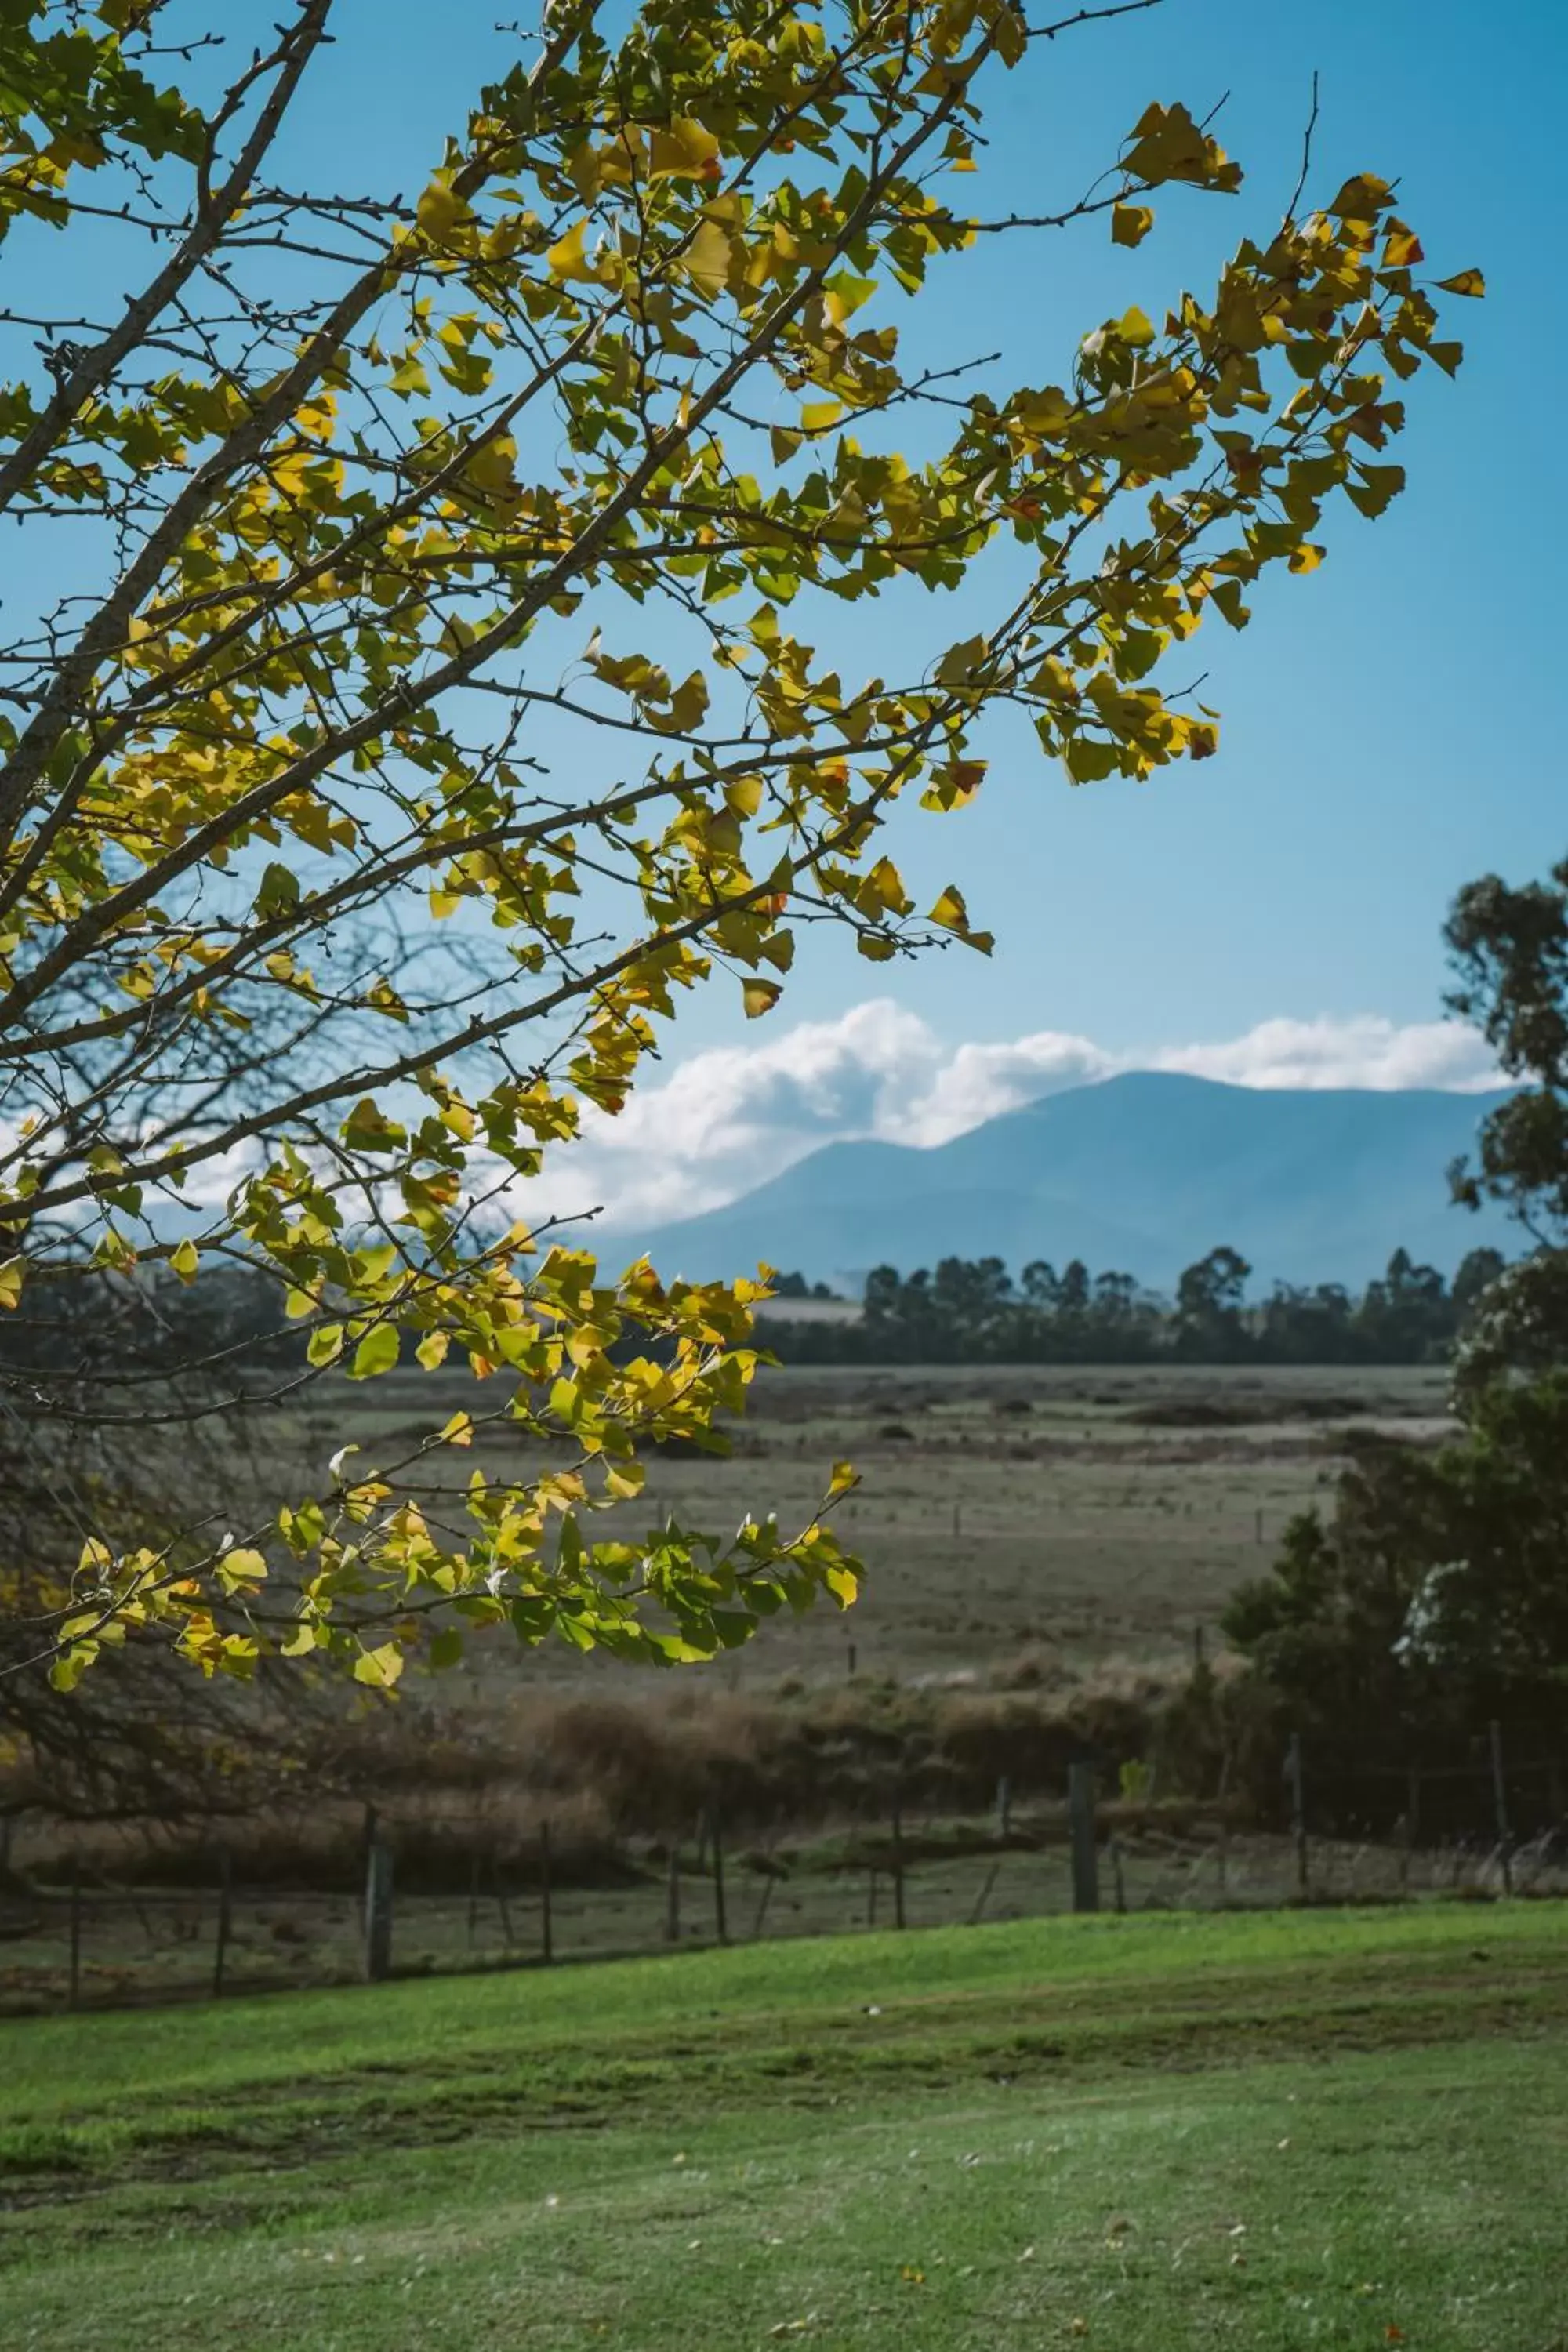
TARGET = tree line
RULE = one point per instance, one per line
(973, 1311)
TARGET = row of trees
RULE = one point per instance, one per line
(972, 1311)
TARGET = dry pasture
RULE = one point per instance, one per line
(1043, 1520)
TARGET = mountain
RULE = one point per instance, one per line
(1143, 1173)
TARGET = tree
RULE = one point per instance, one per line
(1210, 1296)
(435, 701)
(1431, 1599)
(1406, 1318)
(1510, 953)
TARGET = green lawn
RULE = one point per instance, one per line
(1153, 2134)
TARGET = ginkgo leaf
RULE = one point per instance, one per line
(706, 259)
(567, 259)
(379, 1668)
(440, 210)
(377, 1353)
(1466, 281)
(759, 996)
(686, 151)
(1130, 224)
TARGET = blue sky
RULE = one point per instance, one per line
(1392, 722)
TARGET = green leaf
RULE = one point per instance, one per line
(377, 1353)
(280, 892)
(1087, 761)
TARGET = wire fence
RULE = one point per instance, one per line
(81, 1940)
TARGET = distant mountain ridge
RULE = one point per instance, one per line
(1142, 1173)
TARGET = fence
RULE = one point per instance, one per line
(84, 1942)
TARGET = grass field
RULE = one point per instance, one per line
(1334, 2130)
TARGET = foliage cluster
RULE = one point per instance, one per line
(450, 680)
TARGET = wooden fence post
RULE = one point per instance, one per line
(378, 1912)
(849, 1657)
(1004, 1806)
(75, 1934)
(1412, 1826)
(1294, 1774)
(1085, 1854)
(871, 1900)
(225, 1919)
(498, 1888)
(546, 1919)
(898, 1856)
(1118, 1881)
(721, 1924)
(367, 1847)
(1499, 1805)
(672, 1901)
(473, 1895)
(768, 1884)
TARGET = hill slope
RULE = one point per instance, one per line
(1144, 1172)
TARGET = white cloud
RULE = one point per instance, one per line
(727, 1118)
(1360, 1052)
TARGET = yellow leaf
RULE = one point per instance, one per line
(950, 910)
(11, 1275)
(379, 1668)
(707, 260)
(184, 1260)
(760, 996)
(887, 884)
(236, 1569)
(459, 1431)
(684, 152)
(566, 257)
(440, 210)
(1130, 224)
(1467, 281)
